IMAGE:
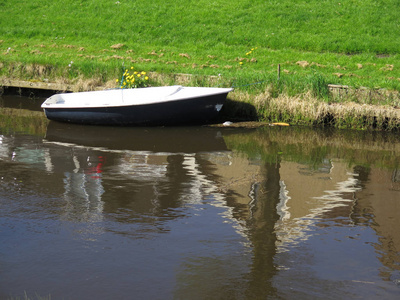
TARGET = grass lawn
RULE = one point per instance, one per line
(350, 42)
(242, 42)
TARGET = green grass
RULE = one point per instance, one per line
(350, 42)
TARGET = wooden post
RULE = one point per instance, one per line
(279, 72)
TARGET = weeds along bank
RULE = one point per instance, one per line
(307, 109)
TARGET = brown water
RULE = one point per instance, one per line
(199, 213)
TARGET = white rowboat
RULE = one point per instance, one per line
(170, 105)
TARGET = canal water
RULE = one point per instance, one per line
(197, 212)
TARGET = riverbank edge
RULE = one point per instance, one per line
(266, 108)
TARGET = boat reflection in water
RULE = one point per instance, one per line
(153, 139)
(152, 171)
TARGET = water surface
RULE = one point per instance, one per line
(199, 213)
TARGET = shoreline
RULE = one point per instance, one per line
(252, 111)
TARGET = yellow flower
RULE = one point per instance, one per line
(241, 63)
(131, 68)
(138, 75)
(143, 73)
(117, 80)
(146, 78)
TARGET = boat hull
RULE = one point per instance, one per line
(197, 110)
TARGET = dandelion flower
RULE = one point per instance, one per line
(146, 78)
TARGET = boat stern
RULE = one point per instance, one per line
(53, 100)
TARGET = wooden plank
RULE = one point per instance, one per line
(36, 85)
(337, 86)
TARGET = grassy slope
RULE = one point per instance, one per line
(205, 37)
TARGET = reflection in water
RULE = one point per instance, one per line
(83, 194)
(325, 193)
(262, 234)
(199, 213)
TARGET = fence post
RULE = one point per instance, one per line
(279, 72)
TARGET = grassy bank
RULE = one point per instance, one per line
(218, 43)
(307, 109)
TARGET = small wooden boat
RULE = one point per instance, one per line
(170, 105)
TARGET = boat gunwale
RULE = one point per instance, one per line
(168, 98)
